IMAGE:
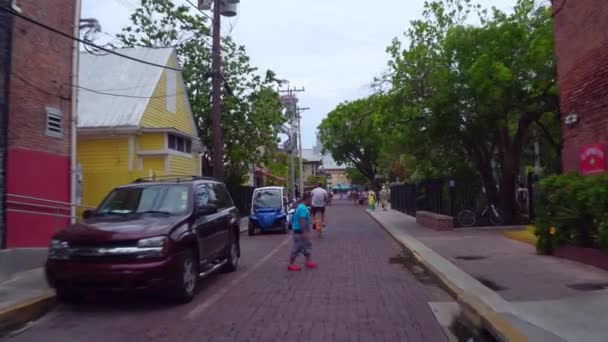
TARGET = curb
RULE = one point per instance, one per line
(480, 312)
(17, 315)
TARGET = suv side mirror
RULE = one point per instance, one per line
(206, 209)
(88, 213)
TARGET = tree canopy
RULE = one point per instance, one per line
(460, 98)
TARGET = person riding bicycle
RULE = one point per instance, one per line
(320, 197)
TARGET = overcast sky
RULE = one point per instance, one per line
(333, 48)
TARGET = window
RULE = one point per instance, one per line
(171, 91)
(169, 199)
(172, 143)
(270, 198)
(223, 197)
(205, 195)
(54, 122)
(179, 144)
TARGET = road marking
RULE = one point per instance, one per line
(199, 309)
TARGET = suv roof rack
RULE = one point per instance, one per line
(173, 178)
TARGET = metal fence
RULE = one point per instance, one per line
(241, 195)
(443, 196)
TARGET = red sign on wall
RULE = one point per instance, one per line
(593, 159)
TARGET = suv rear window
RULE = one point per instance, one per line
(166, 198)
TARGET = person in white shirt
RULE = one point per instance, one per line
(319, 199)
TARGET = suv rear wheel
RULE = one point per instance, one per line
(251, 229)
(232, 258)
(187, 278)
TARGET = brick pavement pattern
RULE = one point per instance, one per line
(354, 295)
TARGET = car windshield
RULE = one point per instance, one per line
(162, 199)
(270, 198)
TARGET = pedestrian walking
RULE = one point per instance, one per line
(301, 235)
(320, 197)
(371, 200)
(384, 197)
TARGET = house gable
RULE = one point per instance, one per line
(169, 106)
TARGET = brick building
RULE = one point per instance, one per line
(37, 184)
(581, 45)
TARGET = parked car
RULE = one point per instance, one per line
(161, 235)
(269, 210)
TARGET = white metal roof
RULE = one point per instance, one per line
(114, 74)
(309, 155)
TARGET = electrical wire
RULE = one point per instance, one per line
(559, 9)
(125, 95)
(126, 4)
(52, 29)
(233, 25)
(35, 86)
(48, 92)
(200, 10)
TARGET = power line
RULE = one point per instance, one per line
(48, 92)
(126, 95)
(125, 4)
(52, 29)
(35, 86)
(198, 9)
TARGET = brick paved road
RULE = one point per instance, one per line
(354, 295)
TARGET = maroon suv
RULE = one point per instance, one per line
(149, 235)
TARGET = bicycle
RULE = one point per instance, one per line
(468, 218)
(318, 225)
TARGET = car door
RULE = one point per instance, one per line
(206, 225)
(224, 203)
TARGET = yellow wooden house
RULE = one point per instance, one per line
(134, 120)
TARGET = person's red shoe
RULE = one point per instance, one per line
(311, 264)
(294, 268)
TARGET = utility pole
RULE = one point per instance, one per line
(290, 102)
(299, 111)
(216, 99)
(6, 37)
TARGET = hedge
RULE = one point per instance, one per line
(572, 210)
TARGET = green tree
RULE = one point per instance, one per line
(251, 109)
(313, 180)
(356, 177)
(473, 92)
(352, 134)
(278, 165)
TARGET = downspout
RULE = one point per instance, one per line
(74, 112)
(6, 39)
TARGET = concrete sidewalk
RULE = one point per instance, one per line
(24, 297)
(522, 295)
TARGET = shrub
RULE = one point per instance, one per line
(572, 210)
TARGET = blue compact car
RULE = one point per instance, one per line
(269, 210)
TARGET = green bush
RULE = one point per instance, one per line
(573, 210)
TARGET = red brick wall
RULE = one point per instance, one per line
(434, 220)
(38, 164)
(43, 58)
(581, 44)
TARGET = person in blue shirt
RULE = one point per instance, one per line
(301, 235)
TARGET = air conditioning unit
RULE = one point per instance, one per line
(228, 9)
(204, 5)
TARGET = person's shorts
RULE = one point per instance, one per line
(314, 210)
(301, 245)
